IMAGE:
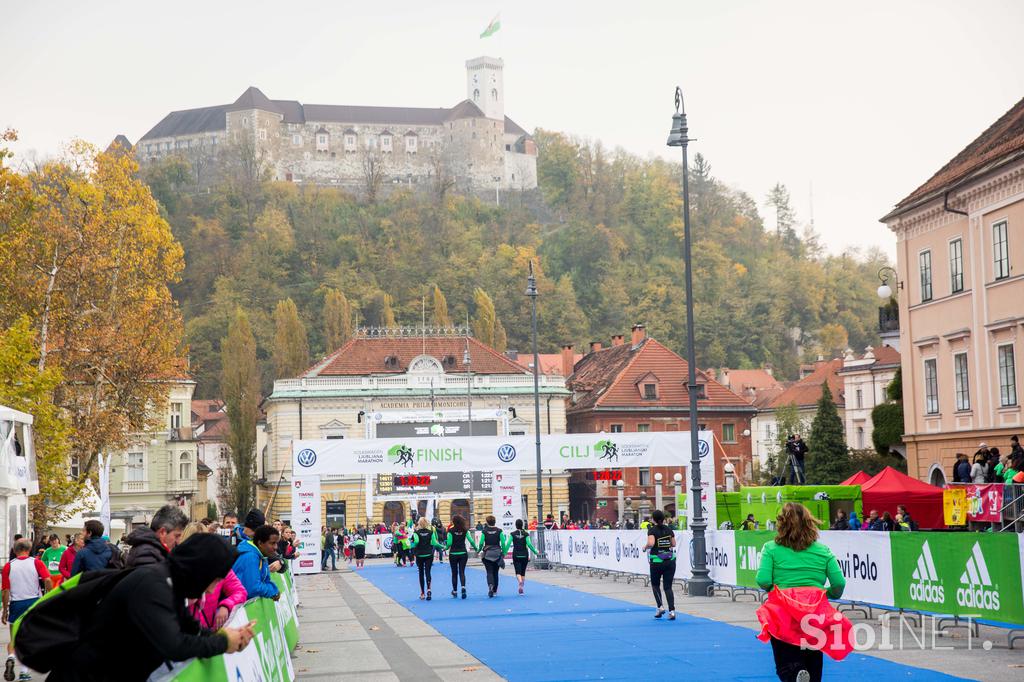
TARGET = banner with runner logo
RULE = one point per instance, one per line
(959, 574)
(488, 453)
(506, 498)
(985, 502)
(306, 522)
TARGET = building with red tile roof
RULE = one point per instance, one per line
(641, 386)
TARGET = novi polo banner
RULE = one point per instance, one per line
(506, 499)
(488, 453)
(306, 522)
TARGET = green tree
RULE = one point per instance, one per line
(291, 349)
(887, 417)
(440, 314)
(241, 386)
(828, 456)
(337, 320)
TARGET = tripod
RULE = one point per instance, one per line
(789, 467)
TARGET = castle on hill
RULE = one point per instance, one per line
(472, 146)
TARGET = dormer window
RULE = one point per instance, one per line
(385, 143)
(648, 386)
(410, 143)
(391, 361)
(350, 141)
(650, 391)
(323, 140)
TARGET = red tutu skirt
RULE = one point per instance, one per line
(803, 616)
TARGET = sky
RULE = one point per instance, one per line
(853, 104)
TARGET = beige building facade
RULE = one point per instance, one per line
(960, 263)
(394, 385)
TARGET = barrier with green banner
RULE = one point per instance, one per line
(267, 658)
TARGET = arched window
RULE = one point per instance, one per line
(185, 467)
(476, 95)
(494, 94)
(394, 512)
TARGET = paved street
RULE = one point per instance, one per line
(371, 625)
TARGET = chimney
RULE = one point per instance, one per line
(567, 360)
(639, 334)
(769, 370)
(595, 346)
(617, 340)
(710, 371)
(512, 355)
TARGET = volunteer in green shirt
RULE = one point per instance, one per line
(797, 559)
(522, 545)
(51, 558)
(359, 549)
(458, 556)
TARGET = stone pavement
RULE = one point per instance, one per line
(350, 630)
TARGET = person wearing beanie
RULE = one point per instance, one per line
(142, 623)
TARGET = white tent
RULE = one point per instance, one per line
(18, 478)
(91, 502)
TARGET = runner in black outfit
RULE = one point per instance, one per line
(522, 545)
(455, 543)
(495, 544)
(661, 545)
(425, 539)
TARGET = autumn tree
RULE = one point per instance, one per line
(440, 316)
(291, 349)
(240, 383)
(485, 321)
(90, 259)
(337, 318)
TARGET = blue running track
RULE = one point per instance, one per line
(554, 633)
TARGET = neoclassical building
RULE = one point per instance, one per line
(959, 253)
(406, 383)
(473, 143)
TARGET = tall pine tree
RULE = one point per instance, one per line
(240, 386)
(828, 457)
(337, 320)
(291, 349)
(440, 316)
(485, 322)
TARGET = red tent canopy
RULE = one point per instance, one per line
(890, 488)
(859, 478)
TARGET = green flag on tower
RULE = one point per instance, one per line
(492, 27)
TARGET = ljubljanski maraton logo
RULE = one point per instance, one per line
(306, 458)
(926, 586)
(608, 450)
(978, 591)
(401, 454)
(506, 453)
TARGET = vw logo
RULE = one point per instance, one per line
(306, 458)
(387, 542)
(618, 549)
(570, 545)
(506, 453)
(703, 448)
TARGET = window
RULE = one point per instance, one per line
(494, 94)
(322, 142)
(650, 392)
(643, 428)
(1007, 377)
(1000, 252)
(296, 140)
(263, 134)
(615, 428)
(860, 437)
(350, 143)
(645, 476)
(931, 387)
(371, 143)
(961, 382)
(76, 466)
(702, 391)
(860, 397)
(728, 433)
(476, 95)
(135, 465)
(956, 265)
(245, 122)
(925, 265)
(185, 467)
(410, 144)
(385, 144)
(175, 415)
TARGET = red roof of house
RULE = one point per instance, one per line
(363, 356)
(212, 415)
(742, 379)
(550, 363)
(1002, 139)
(807, 391)
(886, 355)
(611, 378)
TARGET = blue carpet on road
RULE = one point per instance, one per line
(554, 633)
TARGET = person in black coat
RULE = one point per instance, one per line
(142, 623)
(152, 545)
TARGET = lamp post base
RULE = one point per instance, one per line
(540, 563)
(699, 587)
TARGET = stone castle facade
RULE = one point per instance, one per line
(471, 146)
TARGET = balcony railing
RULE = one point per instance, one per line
(134, 486)
(449, 382)
(181, 433)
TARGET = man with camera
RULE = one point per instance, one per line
(796, 448)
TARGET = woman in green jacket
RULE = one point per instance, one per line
(792, 563)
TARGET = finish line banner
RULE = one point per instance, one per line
(489, 453)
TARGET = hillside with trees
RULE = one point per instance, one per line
(309, 264)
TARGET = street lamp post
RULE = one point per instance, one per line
(619, 485)
(700, 584)
(677, 484)
(467, 361)
(657, 492)
(531, 290)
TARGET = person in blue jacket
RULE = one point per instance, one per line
(252, 565)
(96, 553)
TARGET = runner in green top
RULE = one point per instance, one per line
(458, 556)
(495, 545)
(522, 545)
(424, 540)
(52, 555)
(359, 549)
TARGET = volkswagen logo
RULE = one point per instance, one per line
(618, 549)
(306, 458)
(506, 453)
(703, 448)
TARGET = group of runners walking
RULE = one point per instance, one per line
(419, 544)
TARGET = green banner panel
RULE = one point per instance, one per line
(748, 554)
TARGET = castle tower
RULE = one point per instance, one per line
(485, 86)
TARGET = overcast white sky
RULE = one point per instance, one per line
(863, 100)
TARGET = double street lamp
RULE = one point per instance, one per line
(700, 584)
(531, 290)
